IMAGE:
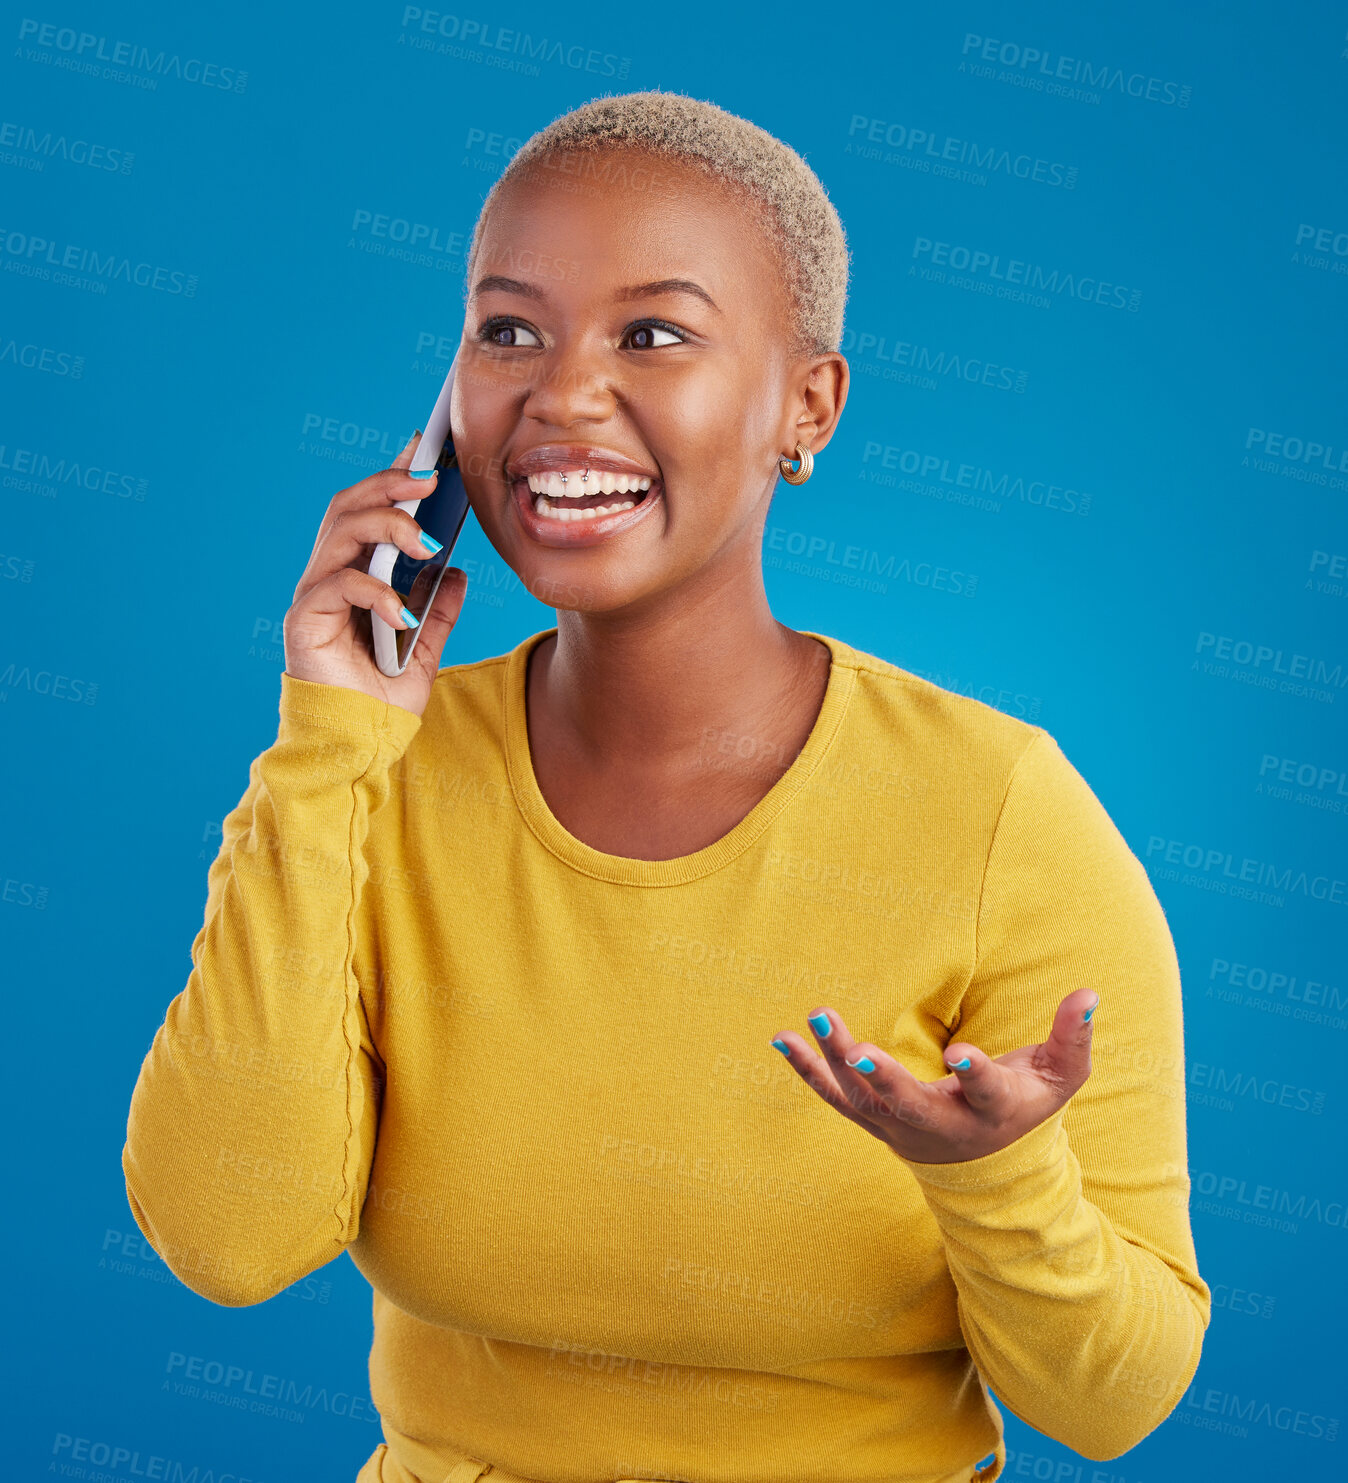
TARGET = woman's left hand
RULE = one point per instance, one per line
(985, 1105)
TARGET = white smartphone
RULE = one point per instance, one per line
(440, 514)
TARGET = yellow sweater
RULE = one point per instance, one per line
(530, 1088)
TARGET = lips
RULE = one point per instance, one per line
(558, 457)
(570, 494)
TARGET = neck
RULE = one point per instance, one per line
(642, 690)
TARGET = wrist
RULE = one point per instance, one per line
(1032, 1149)
(317, 704)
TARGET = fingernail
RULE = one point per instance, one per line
(430, 543)
(783, 1047)
(960, 1065)
(864, 1064)
(411, 619)
(1087, 1016)
(821, 1025)
(422, 473)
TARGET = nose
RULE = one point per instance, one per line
(570, 386)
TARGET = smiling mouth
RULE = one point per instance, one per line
(586, 493)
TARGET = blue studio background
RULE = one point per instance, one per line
(1105, 492)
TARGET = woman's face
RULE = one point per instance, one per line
(627, 317)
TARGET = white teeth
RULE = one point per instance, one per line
(541, 507)
(573, 483)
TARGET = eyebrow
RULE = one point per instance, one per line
(636, 291)
(667, 286)
(508, 285)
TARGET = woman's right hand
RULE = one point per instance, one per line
(328, 638)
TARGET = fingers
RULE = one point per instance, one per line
(405, 457)
(872, 1081)
(346, 537)
(336, 594)
(986, 1085)
(1065, 1057)
(437, 624)
(1062, 1062)
(387, 487)
(814, 1071)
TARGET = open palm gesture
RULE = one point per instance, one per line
(983, 1106)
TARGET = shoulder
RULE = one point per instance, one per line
(1041, 828)
(949, 730)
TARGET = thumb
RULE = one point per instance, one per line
(1066, 1055)
(442, 616)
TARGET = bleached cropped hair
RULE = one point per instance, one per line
(801, 221)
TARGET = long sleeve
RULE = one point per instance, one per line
(1071, 1251)
(253, 1119)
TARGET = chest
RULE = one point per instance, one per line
(583, 1105)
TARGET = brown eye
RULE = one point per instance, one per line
(644, 337)
(509, 335)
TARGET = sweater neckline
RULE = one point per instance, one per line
(622, 869)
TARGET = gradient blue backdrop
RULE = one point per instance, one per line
(1115, 508)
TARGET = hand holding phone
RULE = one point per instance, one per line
(441, 511)
(328, 637)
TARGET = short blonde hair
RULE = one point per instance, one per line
(802, 224)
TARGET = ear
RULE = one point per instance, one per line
(820, 396)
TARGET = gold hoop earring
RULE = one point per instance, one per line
(798, 476)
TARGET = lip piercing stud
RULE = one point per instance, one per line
(585, 477)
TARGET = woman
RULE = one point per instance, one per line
(500, 962)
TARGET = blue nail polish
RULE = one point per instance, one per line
(423, 473)
(783, 1047)
(430, 543)
(864, 1064)
(821, 1025)
(411, 619)
(1087, 1016)
(960, 1065)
